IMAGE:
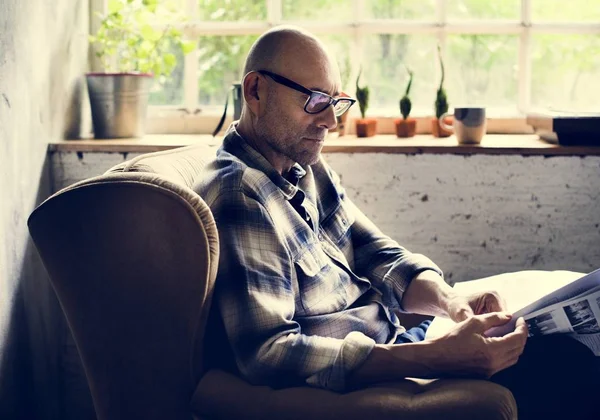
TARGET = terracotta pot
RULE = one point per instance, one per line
(366, 127)
(438, 131)
(405, 127)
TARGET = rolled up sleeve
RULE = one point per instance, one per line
(389, 266)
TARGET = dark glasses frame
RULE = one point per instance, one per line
(331, 101)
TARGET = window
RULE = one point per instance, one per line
(512, 56)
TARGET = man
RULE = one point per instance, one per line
(308, 287)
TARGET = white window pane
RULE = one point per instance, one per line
(339, 47)
(221, 64)
(407, 9)
(323, 10)
(168, 90)
(566, 72)
(482, 70)
(383, 62)
(561, 11)
(483, 9)
(232, 10)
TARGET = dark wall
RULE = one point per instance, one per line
(43, 56)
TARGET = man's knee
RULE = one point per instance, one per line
(555, 373)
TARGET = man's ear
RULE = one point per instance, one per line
(255, 92)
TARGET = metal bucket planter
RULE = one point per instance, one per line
(119, 102)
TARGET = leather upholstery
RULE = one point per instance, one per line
(133, 255)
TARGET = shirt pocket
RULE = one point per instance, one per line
(319, 284)
(337, 227)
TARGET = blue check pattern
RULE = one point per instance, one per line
(302, 302)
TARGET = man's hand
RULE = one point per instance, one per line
(465, 351)
(462, 307)
(429, 294)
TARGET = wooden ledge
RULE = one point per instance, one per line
(492, 144)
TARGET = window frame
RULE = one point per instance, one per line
(191, 117)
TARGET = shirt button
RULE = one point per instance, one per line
(320, 237)
(344, 222)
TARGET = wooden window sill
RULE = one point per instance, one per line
(492, 144)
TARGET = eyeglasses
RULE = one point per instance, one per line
(317, 101)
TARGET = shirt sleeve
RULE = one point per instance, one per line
(389, 266)
(256, 298)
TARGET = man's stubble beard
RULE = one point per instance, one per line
(274, 130)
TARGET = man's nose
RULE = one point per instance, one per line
(328, 119)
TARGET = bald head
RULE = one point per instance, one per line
(287, 48)
(274, 119)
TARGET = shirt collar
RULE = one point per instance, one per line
(235, 144)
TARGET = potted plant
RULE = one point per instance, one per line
(441, 105)
(132, 52)
(405, 126)
(365, 127)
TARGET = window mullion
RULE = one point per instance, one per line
(190, 70)
(441, 20)
(566, 28)
(357, 46)
(524, 65)
(274, 12)
(96, 6)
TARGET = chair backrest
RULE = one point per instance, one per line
(132, 256)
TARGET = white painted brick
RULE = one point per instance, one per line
(481, 215)
(68, 168)
(474, 215)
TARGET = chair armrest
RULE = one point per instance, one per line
(220, 395)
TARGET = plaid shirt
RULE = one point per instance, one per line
(302, 299)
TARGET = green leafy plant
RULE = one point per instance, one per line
(362, 95)
(138, 36)
(405, 103)
(441, 100)
(345, 67)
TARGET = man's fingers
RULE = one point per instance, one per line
(484, 322)
(515, 339)
(489, 301)
(506, 352)
(502, 303)
(511, 359)
(464, 313)
(495, 303)
(521, 325)
(509, 342)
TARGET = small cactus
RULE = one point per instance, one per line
(405, 104)
(362, 95)
(441, 100)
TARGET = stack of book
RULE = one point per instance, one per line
(567, 129)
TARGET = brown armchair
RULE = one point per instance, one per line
(132, 256)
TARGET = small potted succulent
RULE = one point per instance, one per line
(441, 105)
(133, 52)
(365, 127)
(405, 126)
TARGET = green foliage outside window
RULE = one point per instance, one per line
(480, 68)
(128, 40)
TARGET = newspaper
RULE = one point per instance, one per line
(573, 309)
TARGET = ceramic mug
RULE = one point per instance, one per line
(469, 124)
